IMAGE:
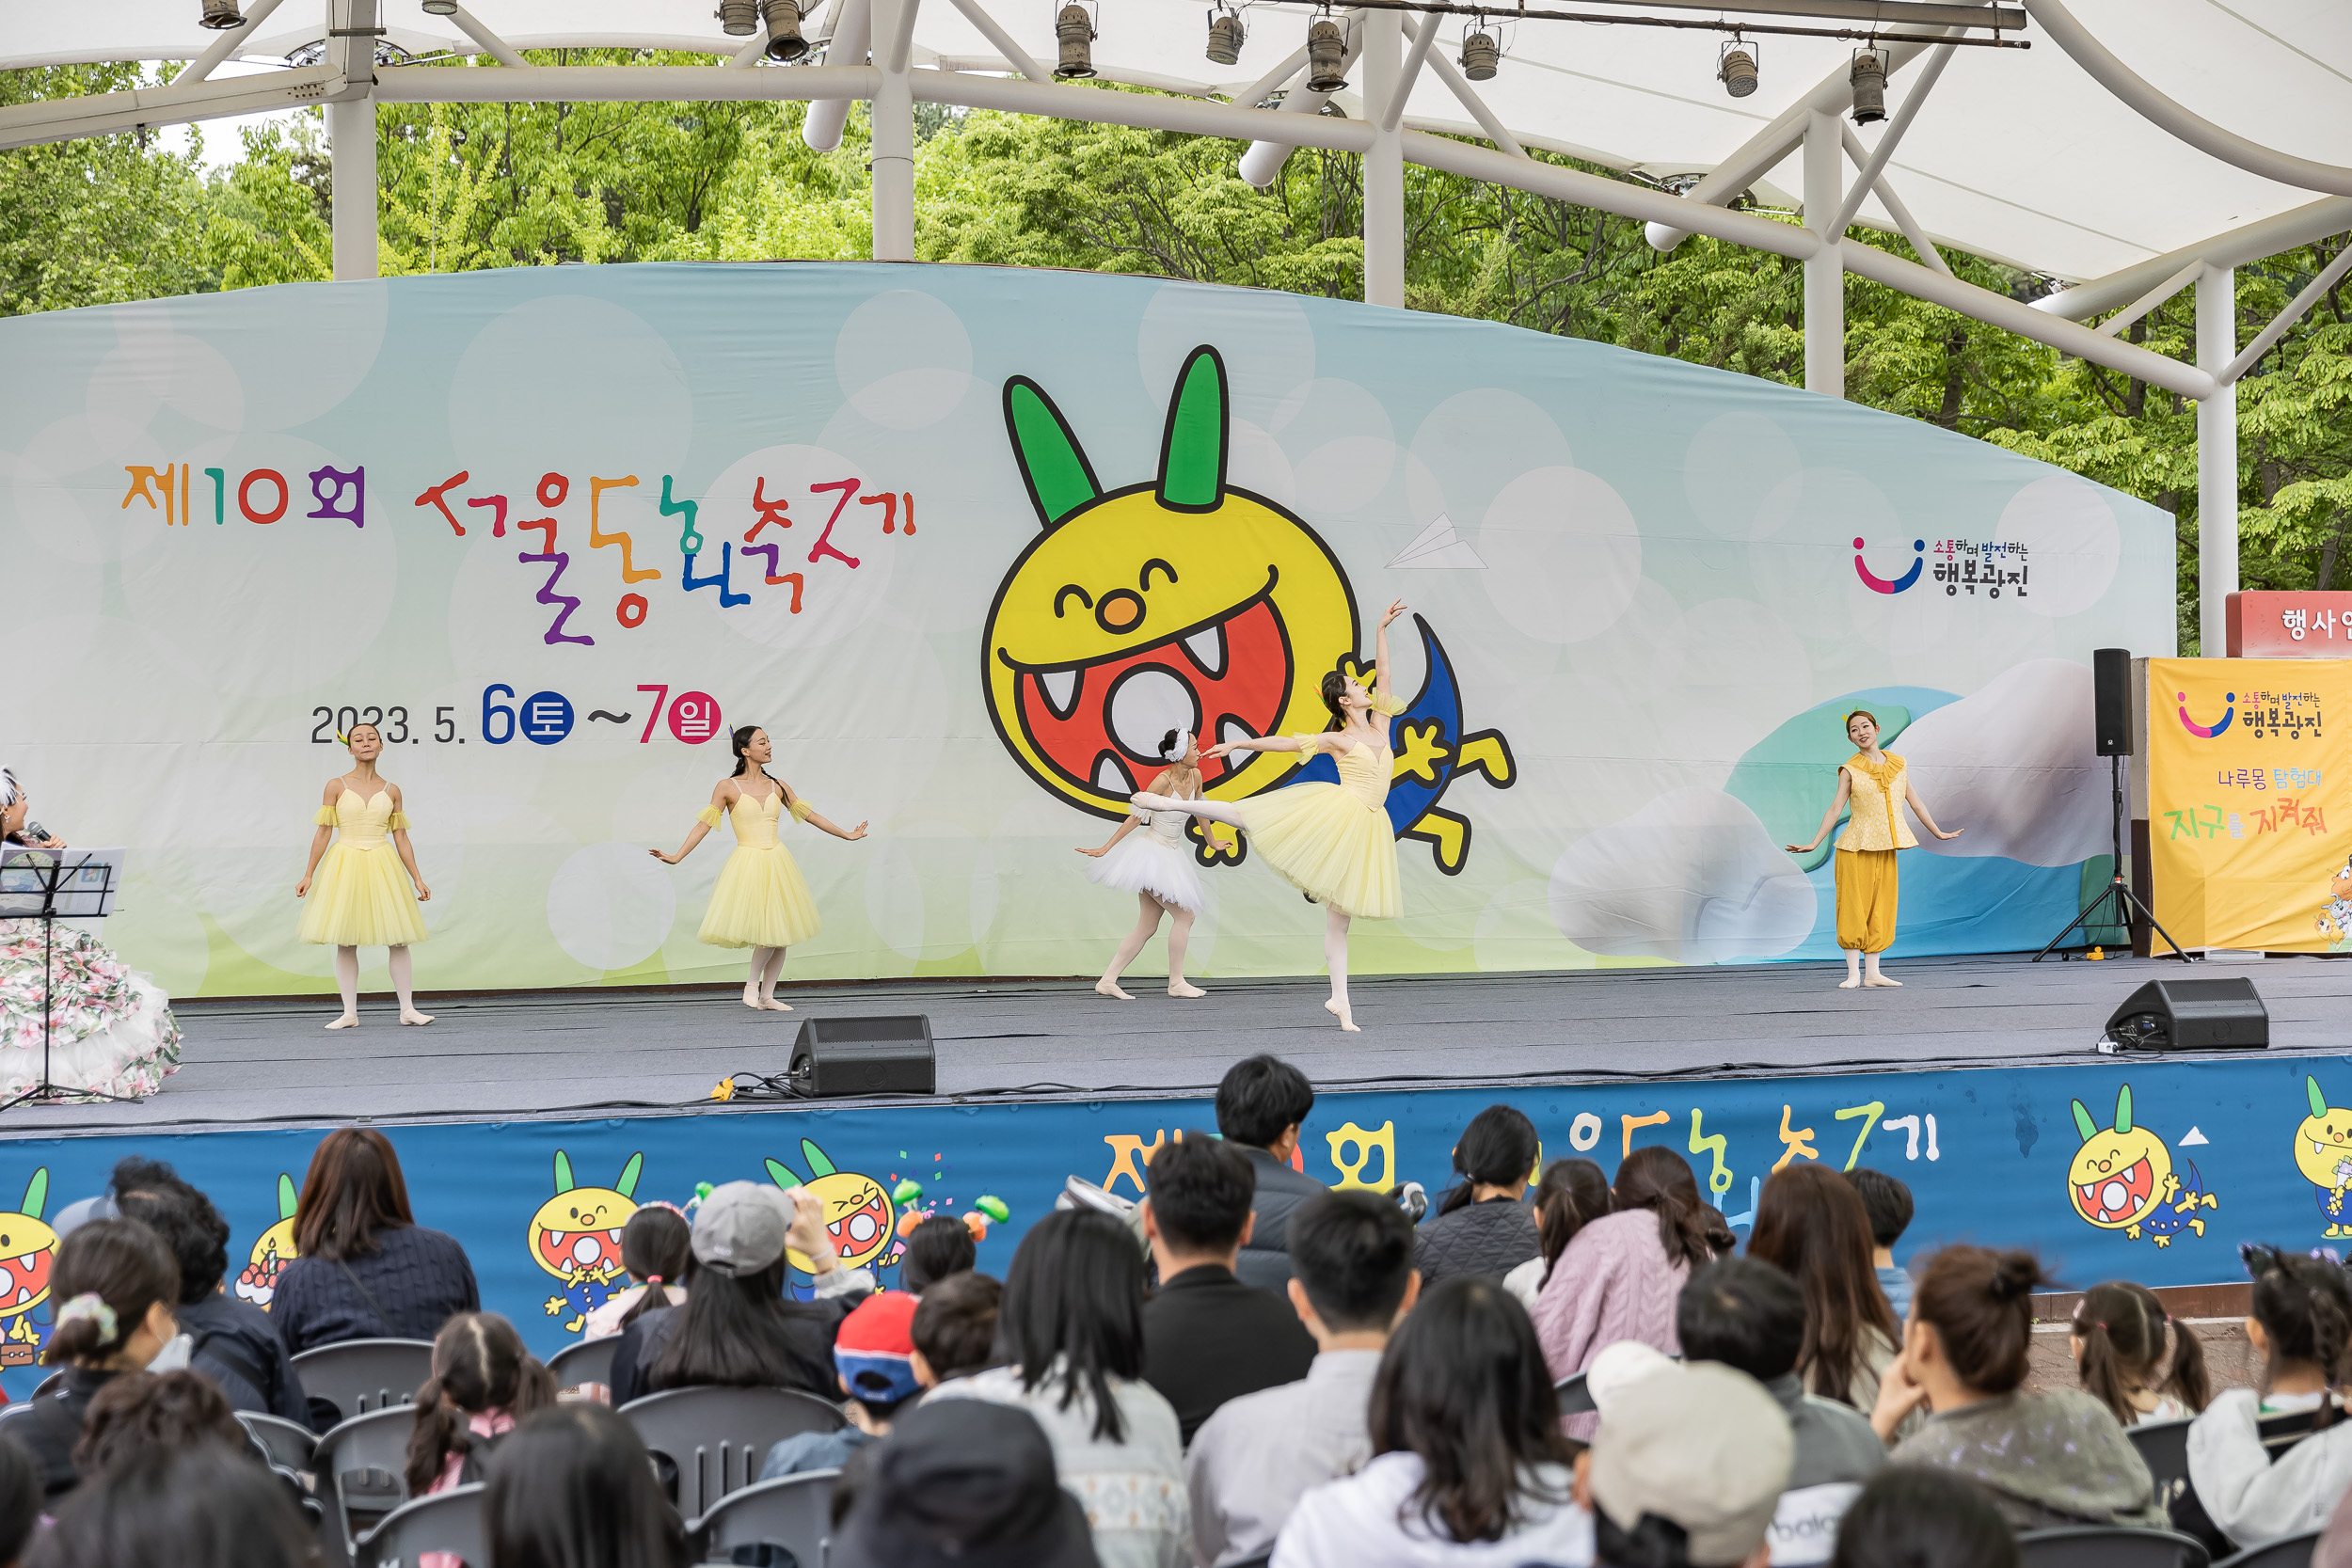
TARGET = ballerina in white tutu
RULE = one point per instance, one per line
(1155, 867)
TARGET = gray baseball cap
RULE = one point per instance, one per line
(739, 1228)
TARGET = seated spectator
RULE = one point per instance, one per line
(1686, 1470)
(2049, 1457)
(231, 1341)
(484, 1383)
(21, 1502)
(1469, 1464)
(1751, 1317)
(1909, 1518)
(573, 1487)
(2302, 1328)
(1722, 1239)
(1261, 1104)
(1352, 1280)
(1482, 1227)
(874, 1354)
(1207, 1336)
(141, 1411)
(737, 1329)
(366, 1268)
(1811, 1225)
(2134, 1359)
(1572, 1194)
(954, 1329)
(936, 1248)
(199, 1506)
(112, 1289)
(656, 1245)
(962, 1483)
(1619, 1279)
(1069, 1344)
(1889, 1204)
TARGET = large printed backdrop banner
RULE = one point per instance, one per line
(968, 542)
(2243, 775)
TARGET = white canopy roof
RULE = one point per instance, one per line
(2016, 154)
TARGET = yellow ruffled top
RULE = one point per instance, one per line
(1876, 821)
(708, 816)
(396, 823)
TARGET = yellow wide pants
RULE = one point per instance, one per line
(1866, 899)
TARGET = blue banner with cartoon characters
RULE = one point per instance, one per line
(2152, 1170)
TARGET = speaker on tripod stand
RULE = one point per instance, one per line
(2111, 729)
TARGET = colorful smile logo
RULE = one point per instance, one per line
(256, 1282)
(857, 1210)
(2193, 728)
(1185, 602)
(576, 1236)
(1877, 584)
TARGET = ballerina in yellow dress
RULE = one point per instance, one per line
(360, 900)
(1874, 780)
(760, 902)
(1332, 842)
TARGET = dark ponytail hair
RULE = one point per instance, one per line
(1572, 1194)
(479, 1364)
(1812, 1225)
(1497, 1148)
(2306, 1309)
(1980, 1302)
(1334, 687)
(2130, 1343)
(1658, 1179)
(738, 742)
(124, 1264)
(655, 1245)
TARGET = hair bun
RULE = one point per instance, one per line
(2014, 1275)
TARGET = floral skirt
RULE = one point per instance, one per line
(110, 1031)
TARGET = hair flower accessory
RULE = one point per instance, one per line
(90, 1305)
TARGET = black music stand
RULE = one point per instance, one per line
(50, 885)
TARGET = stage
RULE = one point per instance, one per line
(570, 1054)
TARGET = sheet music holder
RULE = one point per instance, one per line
(50, 885)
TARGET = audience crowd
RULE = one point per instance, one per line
(1554, 1368)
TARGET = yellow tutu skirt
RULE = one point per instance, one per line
(760, 902)
(361, 898)
(1326, 843)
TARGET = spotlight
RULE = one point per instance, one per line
(1327, 49)
(1869, 77)
(221, 15)
(784, 29)
(440, 7)
(1736, 70)
(1481, 55)
(1225, 38)
(738, 18)
(1075, 30)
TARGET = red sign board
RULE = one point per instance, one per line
(2307, 625)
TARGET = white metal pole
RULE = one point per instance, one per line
(351, 145)
(2216, 459)
(1825, 269)
(1384, 165)
(894, 135)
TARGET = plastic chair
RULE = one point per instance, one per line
(2293, 1551)
(589, 1361)
(1575, 1399)
(362, 1375)
(2164, 1447)
(795, 1511)
(361, 1466)
(450, 1521)
(285, 1442)
(718, 1437)
(2109, 1546)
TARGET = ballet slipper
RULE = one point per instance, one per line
(1185, 988)
(1110, 987)
(1880, 980)
(349, 1020)
(1339, 1011)
(410, 1016)
(1850, 982)
(769, 1003)
(751, 999)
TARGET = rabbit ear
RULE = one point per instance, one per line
(36, 1194)
(2083, 1123)
(627, 1186)
(2124, 1109)
(783, 1175)
(2311, 1090)
(563, 1182)
(818, 1164)
(287, 1202)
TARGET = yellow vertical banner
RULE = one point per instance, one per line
(2247, 767)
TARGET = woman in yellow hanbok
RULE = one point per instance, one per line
(760, 902)
(359, 898)
(1874, 781)
(1332, 842)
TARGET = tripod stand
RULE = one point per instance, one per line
(81, 887)
(2117, 896)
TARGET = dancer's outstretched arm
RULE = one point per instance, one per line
(1919, 808)
(799, 810)
(318, 839)
(407, 852)
(1124, 828)
(1829, 818)
(1380, 649)
(704, 821)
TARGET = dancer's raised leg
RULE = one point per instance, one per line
(1335, 954)
(1179, 938)
(768, 978)
(347, 981)
(1147, 923)
(404, 986)
(751, 984)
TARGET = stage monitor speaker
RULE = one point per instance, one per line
(835, 1057)
(2192, 1015)
(2111, 700)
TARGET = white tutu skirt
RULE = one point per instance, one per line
(1142, 862)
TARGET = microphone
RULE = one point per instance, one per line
(35, 832)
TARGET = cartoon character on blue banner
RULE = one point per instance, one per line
(274, 1249)
(576, 1236)
(857, 1210)
(2122, 1179)
(27, 1248)
(2323, 1152)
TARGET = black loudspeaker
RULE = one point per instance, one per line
(2111, 711)
(837, 1057)
(2193, 1015)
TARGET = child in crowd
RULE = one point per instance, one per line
(2130, 1354)
(142, 1411)
(954, 1329)
(936, 1248)
(1572, 1194)
(1908, 1518)
(112, 1290)
(2302, 1328)
(1889, 1203)
(654, 1248)
(484, 1381)
(20, 1502)
(874, 1354)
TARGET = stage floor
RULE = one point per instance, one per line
(568, 1052)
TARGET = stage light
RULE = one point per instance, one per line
(784, 29)
(739, 18)
(221, 15)
(440, 7)
(1075, 30)
(1736, 70)
(1481, 56)
(1327, 52)
(1225, 38)
(1869, 77)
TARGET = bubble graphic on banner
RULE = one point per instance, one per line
(2071, 543)
(693, 717)
(904, 359)
(1691, 877)
(610, 905)
(1474, 444)
(1255, 462)
(594, 372)
(161, 369)
(1732, 460)
(1563, 554)
(1272, 353)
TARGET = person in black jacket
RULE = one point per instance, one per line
(233, 1341)
(1481, 1226)
(1261, 1105)
(1207, 1336)
(114, 1284)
